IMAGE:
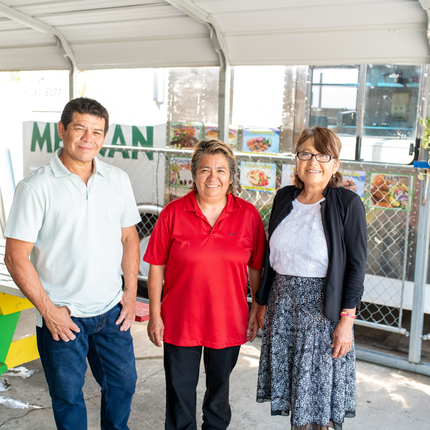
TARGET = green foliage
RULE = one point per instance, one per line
(425, 140)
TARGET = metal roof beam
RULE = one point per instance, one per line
(200, 15)
(425, 4)
(42, 27)
(220, 47)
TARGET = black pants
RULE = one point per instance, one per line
(182, 365)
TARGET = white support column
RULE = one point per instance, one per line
(420, 281)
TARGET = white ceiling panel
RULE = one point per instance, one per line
(7, 24)
(34, 7)
(26, 38)
(154, 29)
(323, 18)
(219, 6)
(374, 46)
(110, 15)
(33, 58)
(153, 33)
(156, 53)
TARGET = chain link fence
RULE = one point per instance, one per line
(390, 194)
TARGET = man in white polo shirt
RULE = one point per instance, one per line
(75, 218)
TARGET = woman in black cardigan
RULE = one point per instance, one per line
(312, 286)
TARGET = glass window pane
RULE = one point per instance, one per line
(334, 103)
(258, 95)
(340, 75)
(390, 112)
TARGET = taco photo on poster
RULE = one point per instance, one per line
(390, 191)
(183, 135)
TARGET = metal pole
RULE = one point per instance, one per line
(420, 282)
(405, 250)
(224, 102)
(359, 130)
(308, 109)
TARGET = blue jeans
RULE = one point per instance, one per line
(111, 357)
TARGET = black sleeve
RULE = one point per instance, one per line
(263, 290)
(355, 233)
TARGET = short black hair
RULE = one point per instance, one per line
(84, 105)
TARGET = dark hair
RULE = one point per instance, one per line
(211, 147)
(84, 105)
(325, 142)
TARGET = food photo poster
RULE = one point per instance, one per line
(258, 140)
(258, 176)
(287, 177)
(211, 132)
(184, 135)
(180, 172)
(390, 191)
(354, 180)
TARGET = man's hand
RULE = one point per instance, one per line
(128, 311)
(130, 267)
(60, 324)
(156, 330)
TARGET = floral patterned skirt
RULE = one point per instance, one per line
(297, 372)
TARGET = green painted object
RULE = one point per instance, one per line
(3, 368)
(8, 325)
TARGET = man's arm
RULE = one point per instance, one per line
(57, 319)
(130, 268)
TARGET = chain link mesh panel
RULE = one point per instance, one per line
(390, 195)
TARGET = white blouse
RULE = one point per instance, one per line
(298, 246)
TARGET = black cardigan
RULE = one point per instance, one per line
(345, 230)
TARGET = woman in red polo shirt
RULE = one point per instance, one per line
(205, 246)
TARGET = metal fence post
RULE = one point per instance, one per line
(420, 280)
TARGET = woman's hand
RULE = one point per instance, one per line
(155, 286)
(261, 314)
(156, 330)
(252, 329)
(342, 337)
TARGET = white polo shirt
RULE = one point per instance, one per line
(76, 231)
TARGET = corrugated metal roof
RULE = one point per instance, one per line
(145, 33)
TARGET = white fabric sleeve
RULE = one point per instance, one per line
(26, 214)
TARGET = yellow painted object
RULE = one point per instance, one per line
(18, 351)
(11, 304)
(22, 351)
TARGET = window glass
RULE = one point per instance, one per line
(390, 113)
(258, 95)
(334, 103)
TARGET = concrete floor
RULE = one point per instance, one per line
(387, 398)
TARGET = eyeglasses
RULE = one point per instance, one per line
(321, 158)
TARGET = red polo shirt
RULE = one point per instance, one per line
(204, 299)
